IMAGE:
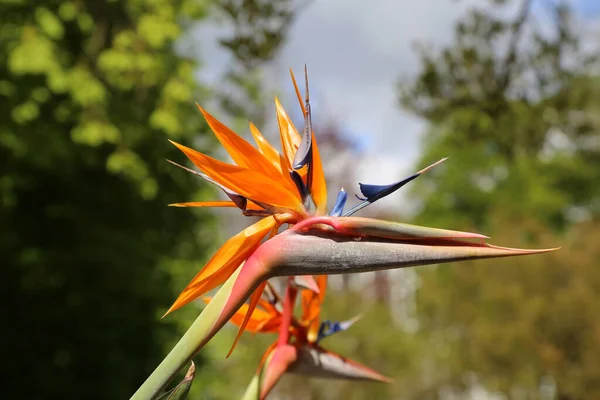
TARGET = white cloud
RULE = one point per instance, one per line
(356, 51)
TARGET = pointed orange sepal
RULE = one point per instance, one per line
(268, 151)
(318, 187)
(253, 185)
(249, 205)
(311, 307)
(204, 204)
(264, 319)
(290, 139)
(225, 261)
(298, 95)
(254, 299)
(243, 153)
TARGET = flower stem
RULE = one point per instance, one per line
(201, 330)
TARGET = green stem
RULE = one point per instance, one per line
(253, 390)
(188, 345)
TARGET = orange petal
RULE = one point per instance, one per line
(311, 301)
(273, 156)
(311, 307)
(249, 206)
(322, 282)
(225, 261)
(204, 204)
(263, 318)
(268, 307)
(254, 324)
(265, 148)
(298, 93)
(254, 298)
(318, 187)
(243, 153)
(253, 185)
(290, 139)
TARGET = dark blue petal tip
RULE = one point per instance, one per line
(340, 202)
(373, 193)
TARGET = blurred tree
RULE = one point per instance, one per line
(89, 93)
(512, 101)
(527, 329)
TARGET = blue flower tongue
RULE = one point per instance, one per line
(325, 330)
(340, 202)
(328, 328)
(303, 155)
(376, 192)
(373, 193)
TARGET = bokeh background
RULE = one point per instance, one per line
(91, 256)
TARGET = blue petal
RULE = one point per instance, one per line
(323, 330)
(376, 192)
(328, 328)
(340, 202)
(373, 193)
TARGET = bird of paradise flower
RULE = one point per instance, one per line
(297, 348)
(290, 188)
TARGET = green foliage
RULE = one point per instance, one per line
(89, 94)
(514, 108)
(90, 67)
(258, 30)
(515, 119)
(527, 328)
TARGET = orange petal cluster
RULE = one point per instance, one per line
(261, 176)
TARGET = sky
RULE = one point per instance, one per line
(356, 51)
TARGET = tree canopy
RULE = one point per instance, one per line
(514, 104)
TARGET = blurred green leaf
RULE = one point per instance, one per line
(519, 125)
